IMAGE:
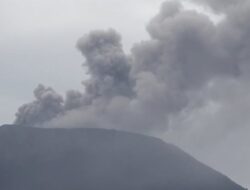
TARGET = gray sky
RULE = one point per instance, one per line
(37, 43)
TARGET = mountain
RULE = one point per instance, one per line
(98, 159)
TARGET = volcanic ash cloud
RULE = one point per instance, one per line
(162, 78)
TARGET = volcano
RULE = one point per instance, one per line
(98, 159)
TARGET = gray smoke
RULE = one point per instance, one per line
(161, 78)
(220, 5)
(107, 64)
(46, 106)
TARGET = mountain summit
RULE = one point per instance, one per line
(98, 159)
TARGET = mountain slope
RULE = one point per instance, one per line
(95, 159)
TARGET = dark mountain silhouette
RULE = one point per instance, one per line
(98, 159)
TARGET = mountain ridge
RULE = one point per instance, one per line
(53, 159)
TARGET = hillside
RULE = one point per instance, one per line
(95, 159)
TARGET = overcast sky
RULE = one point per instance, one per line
(38, 45)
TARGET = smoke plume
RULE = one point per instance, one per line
(48, 105)
(160, 80)
(220, 5)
